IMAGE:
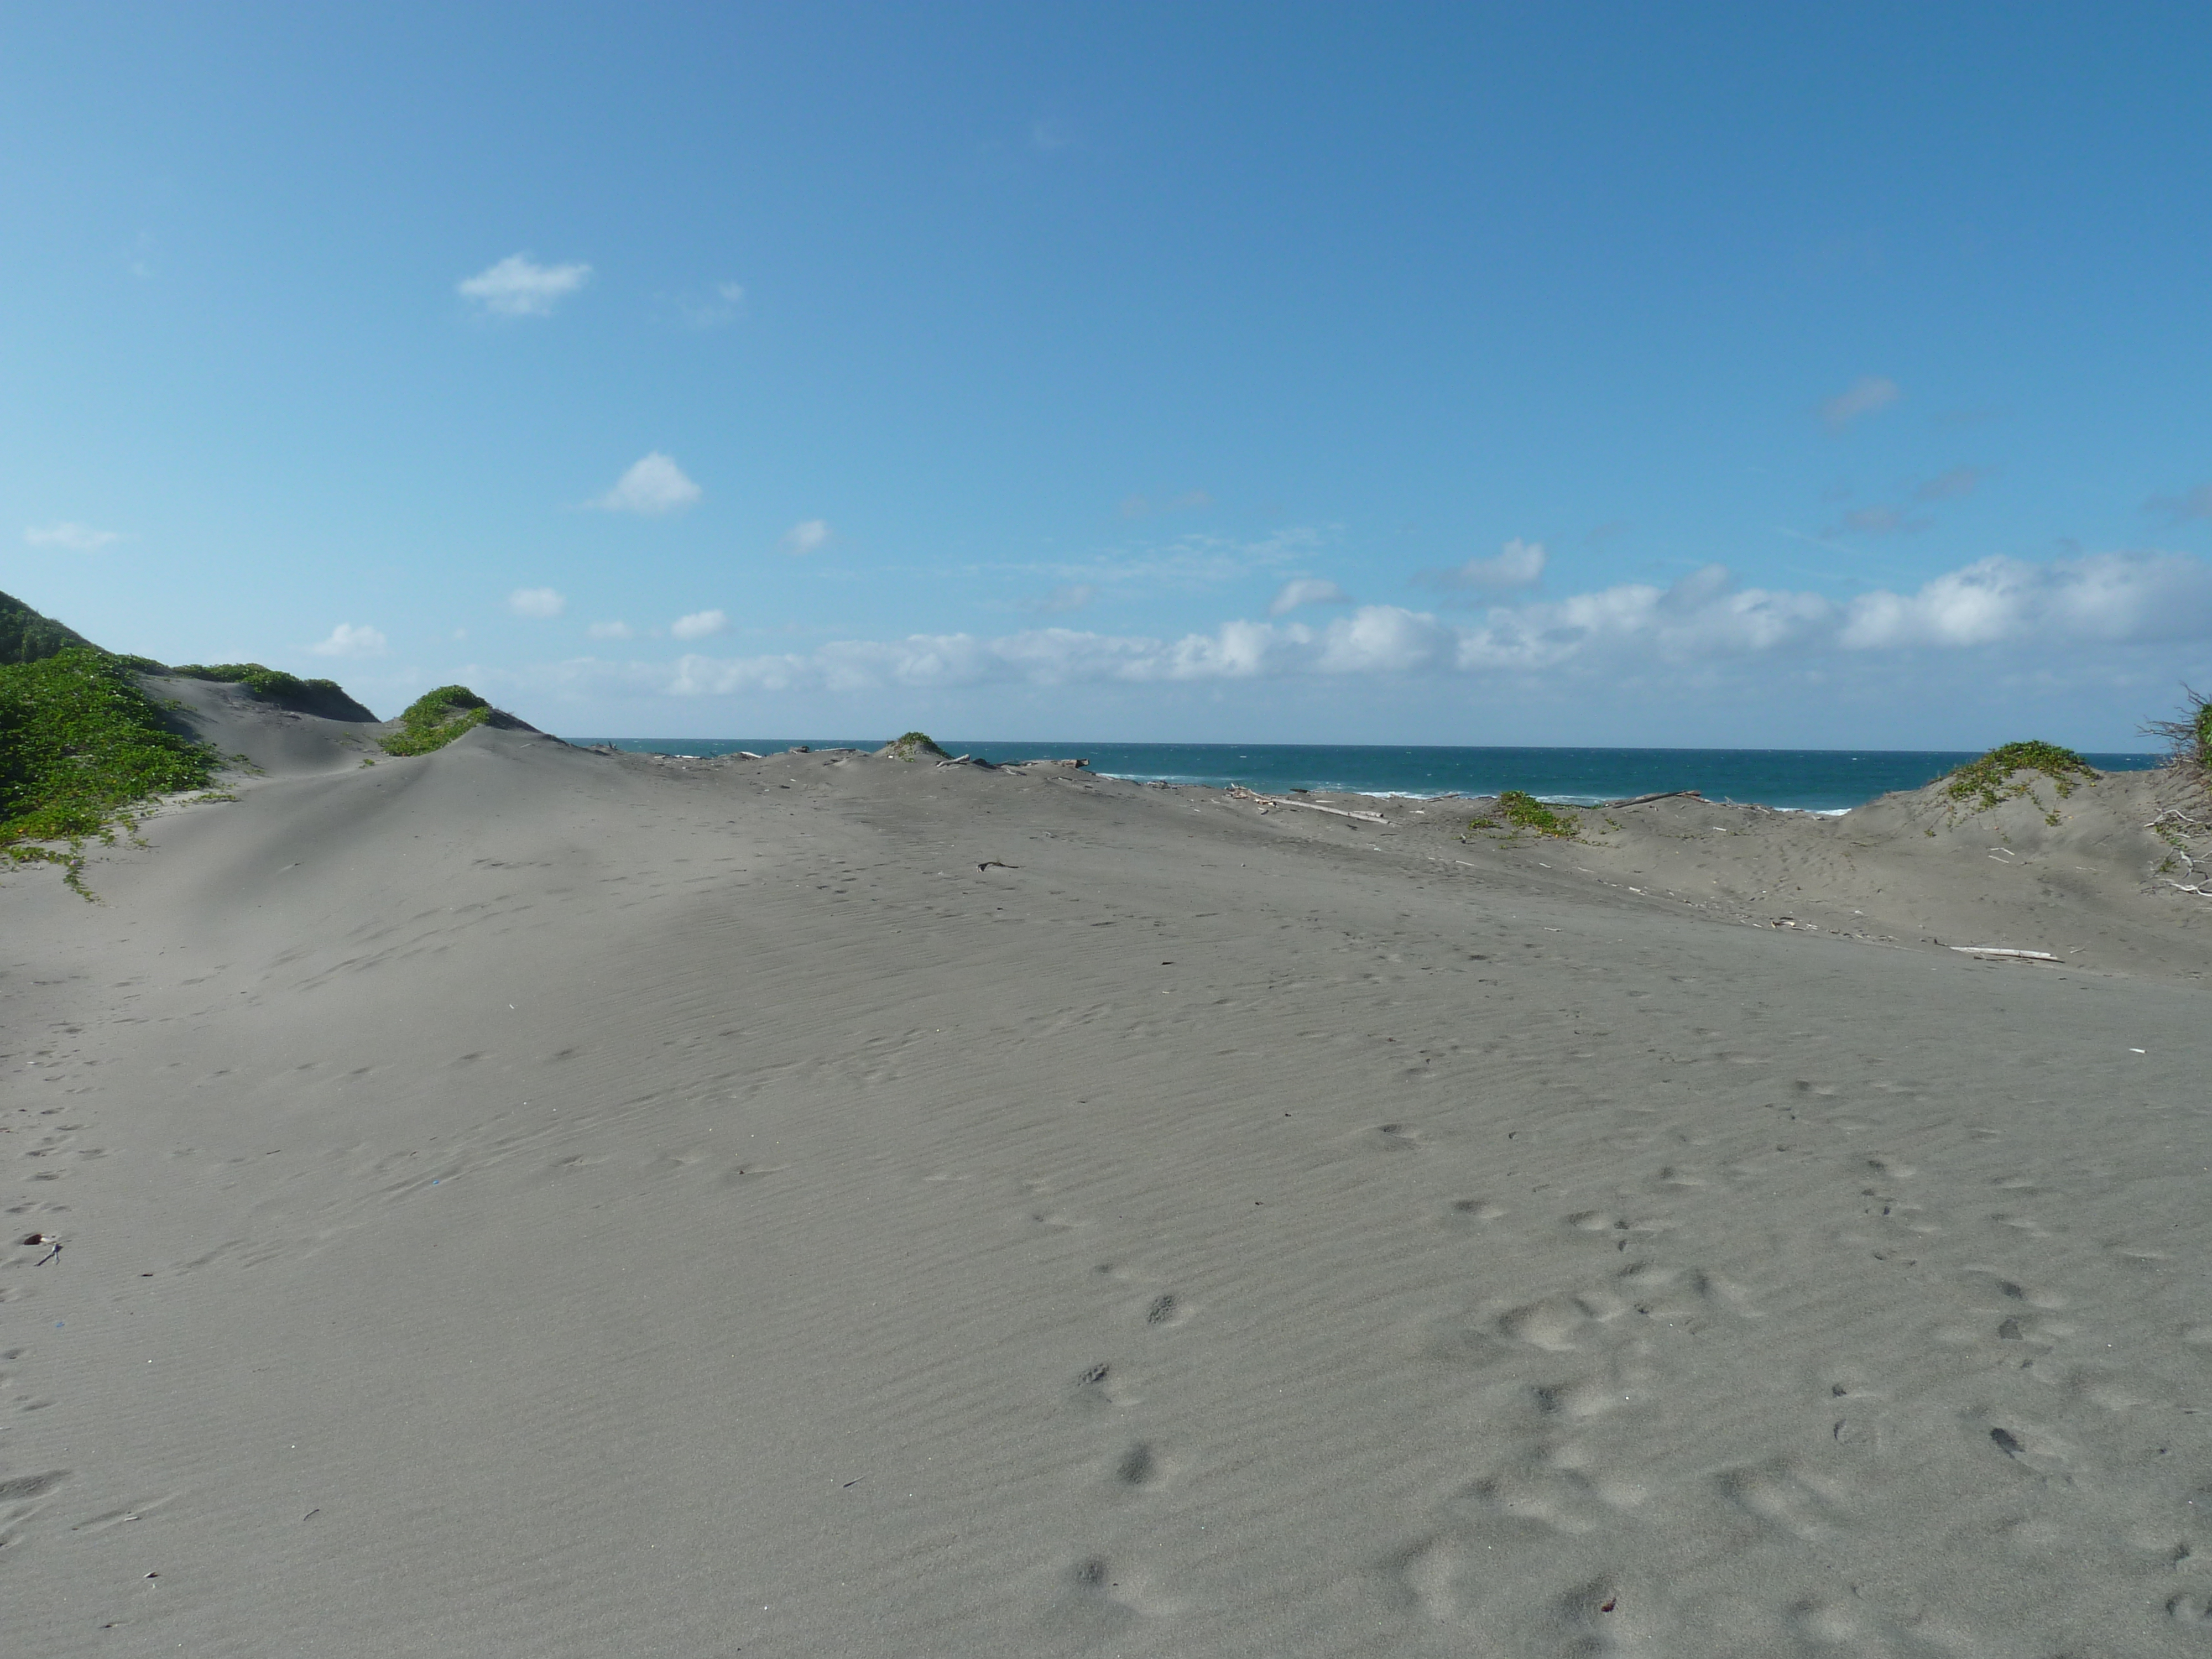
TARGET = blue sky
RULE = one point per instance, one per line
(1671, 375)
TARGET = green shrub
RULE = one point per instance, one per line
(26, 636)
(1521, 811)
(324, 697)
(2188, 738)
(913, 745)
(1981, 784)
(435, 719)
(80, 744)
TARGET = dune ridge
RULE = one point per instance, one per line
(522, 1200)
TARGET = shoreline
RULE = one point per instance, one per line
(1820, 781)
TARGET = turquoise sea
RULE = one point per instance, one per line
(1808, 780)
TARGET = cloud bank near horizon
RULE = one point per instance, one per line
(1704, 620)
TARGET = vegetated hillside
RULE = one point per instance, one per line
(437, 717)
(324, 697)
(81, 743)
(88, 735)
(26, 636)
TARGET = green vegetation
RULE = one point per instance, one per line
(2189, 737)
(80, 744)
(1521, 811)
(435, 719)
(1982, 784)
(324, 697)
(914, 746)
(26, 636)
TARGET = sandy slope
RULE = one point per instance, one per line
(521, 1200)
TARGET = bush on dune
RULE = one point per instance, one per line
(1522, 811)
(435, 719)
(1991, 781)
(913, 745)
(26, 636)
(80, 742)
(324, 697)
(2188, 740)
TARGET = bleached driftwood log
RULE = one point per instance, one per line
(1238, 792)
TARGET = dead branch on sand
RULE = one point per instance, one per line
(2161, 827)
(1238, 792)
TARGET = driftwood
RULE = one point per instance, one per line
(2002, 950)
(1238, 792)
(1664, 794)
(2191, 826)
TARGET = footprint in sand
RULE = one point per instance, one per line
(1098, 1587)
(1548, 1490)
(22, 1488)
(1581, 1397)
(1141, 1469)
(1560, 1324)
(2021, 1442)
(2192, 1608)
(1166, 1311)
(1104, 1385)
(1393, 1138)
(1462, 1211)
(1991, 1283)
(1783, 1497)
(1426, 1576)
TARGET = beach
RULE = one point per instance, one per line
(525, 1200)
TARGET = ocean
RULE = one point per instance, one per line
(1805, 780)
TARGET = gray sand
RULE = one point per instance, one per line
(526, 1202)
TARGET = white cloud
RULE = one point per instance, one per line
(1863, 397)
(1701, 617)
(1517, 564)
(611, 630)
(519, 287)
(1614, 634)
(77, 537)
(540, 603)
(810, 536)
(1306, 591)
(347, 641)
(699, 625)
(2107, 597)
(652, 486)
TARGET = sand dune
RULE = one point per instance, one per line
(526, 1200)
